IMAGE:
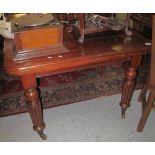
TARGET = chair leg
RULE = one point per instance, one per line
(142, 95)
(146, 111)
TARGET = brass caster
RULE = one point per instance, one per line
(43, 136)
(123, 113)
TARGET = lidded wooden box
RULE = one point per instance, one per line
(37, 35)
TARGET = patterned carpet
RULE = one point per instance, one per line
(67, 87)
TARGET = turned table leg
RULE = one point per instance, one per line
(82, 28)
(129, 84)
(128, 88)
(33, 104)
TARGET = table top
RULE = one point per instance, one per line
(92, 52)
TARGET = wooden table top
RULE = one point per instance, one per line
(94, 51)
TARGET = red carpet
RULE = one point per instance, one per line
(67, 87)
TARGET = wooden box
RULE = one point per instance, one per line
(38, 41)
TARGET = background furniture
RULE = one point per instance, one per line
(150, 85)
(95, 23)
(142, 22)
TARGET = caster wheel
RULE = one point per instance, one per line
(43, 136)
(123, 113)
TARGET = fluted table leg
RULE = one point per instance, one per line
(128, 88)
(129, 83)
(33, 104)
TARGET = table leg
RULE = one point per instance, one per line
(129, 84)
(33, 104)
(127, 31)
(82, 27)
(128, 88)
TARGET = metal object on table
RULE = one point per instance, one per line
(33, 20)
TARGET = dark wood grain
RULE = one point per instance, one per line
(93, 51)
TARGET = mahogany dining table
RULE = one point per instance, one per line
(95, 51)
